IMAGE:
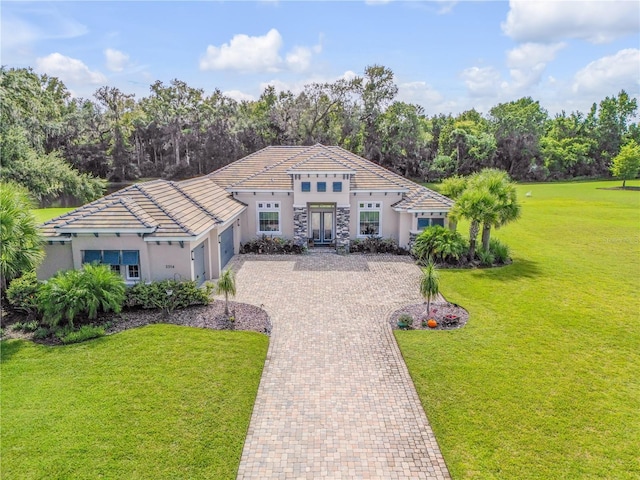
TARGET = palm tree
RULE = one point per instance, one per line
(479, 206)
(506, 207)
(429, 283)
(453, 187)
(20, 241)
(227, 285)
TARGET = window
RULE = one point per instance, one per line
(133, 272)
(423, 223)
(369, 219)
(337, 186)
(91, 256)
(322, 186)
(429, 222)
(116, 259)
(306, 186)
(269, 217)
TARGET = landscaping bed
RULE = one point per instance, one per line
(448, 315)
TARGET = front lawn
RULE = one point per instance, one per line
(161, 401)
(44, 214)
(543, 380)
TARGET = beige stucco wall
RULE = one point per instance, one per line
(301, 198)
(404, 228)
(389, 218)
(249, 224)
(169, 262)
(58, 257)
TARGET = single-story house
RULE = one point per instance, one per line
(315, 195)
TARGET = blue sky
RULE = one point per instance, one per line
(447, 56)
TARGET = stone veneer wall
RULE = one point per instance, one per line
(300, 234)
(412, 239)
(343, 215)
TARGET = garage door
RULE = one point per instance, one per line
(198, 264)
(226, 246)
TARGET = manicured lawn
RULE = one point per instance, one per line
(543, 382)
(161, 401)
(44, 214)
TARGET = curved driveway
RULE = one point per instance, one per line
(335, 399)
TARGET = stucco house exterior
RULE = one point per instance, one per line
(315, 195)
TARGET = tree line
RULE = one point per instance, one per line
(55, 144)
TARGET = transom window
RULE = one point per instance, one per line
(322, 186)
(369, 214)
(305, 186)
(269, 217)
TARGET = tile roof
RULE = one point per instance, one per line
(170, 209)
(191, 207)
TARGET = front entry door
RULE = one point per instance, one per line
(322, 228)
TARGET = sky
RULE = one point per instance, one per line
(448, 56)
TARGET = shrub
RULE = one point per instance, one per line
(155, 295)
(439, 243)
(41, 333)
(406, 319)
(374, 245)
(500, 250)
(85, 332)
(486, 257)
(81, 293)
(22, 294)
(271, 245)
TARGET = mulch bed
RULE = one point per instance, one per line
(418, 311)
(246, 317)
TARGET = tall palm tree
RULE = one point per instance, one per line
(506, 207)
(429, 283)
(453, 187)
(227, 285)
(20, 241)
(479, 206)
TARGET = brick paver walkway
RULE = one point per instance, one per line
(335, 399)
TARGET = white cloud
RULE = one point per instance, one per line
(116, 60)
(481, 81)
(608, 75)
(68, 69)
(550, 21)
(245, 54)
(299, 59)
(419, 92)
(239, 96)
(258, 54)
(528, 62)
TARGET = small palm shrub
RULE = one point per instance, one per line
(168, 295)
(22, 294)
(81, 294)
(227, 286)
(85, 332)
(486, 257)
(500, 250)
(429, 283)
(440, 244)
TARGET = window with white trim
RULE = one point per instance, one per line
(268, 217)
(116, 259)
(369, 214)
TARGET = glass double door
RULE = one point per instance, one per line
(322, 227)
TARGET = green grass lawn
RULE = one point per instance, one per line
(44, 214)
(544, 380)
(161, 401)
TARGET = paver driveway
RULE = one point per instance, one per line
(335, 398)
